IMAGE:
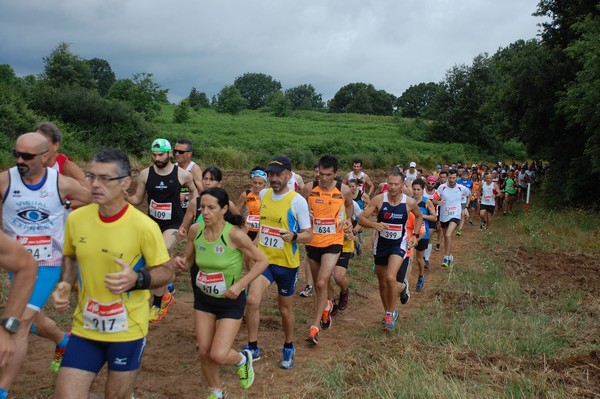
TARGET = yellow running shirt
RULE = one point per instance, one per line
(133, 237)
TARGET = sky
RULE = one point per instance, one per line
(206, 44)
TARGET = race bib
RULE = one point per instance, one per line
(160, 211)
(184, 199)
(105, 317)
(393, 232)
(211, 283)
(270, 237)
(324, 226)
(488, 198)
(451, 210)
(40, 247)
(253, 221)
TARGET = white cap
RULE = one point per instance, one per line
(412, 165)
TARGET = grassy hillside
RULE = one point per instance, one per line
(253, 137)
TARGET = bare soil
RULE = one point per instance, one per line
(170, 368)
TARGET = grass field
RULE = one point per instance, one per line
(253, 137)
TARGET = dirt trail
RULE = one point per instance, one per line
(170, 368)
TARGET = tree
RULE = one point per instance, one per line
(141, 92)
(256, 88)
(181, 114)
(102, 74)
(362, 98)
(198, 99)
(305, 97)
(414, 101)
(62, 68)
(230, 101)
(280, 104)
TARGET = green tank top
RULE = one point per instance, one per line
(220, 266)
(509, 186)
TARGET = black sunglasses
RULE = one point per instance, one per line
(181, 151)
(25, 155)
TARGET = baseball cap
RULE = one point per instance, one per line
(161, 145)
(279, 164)
(412, 165)
(439, 167)
(474, 165)
(431, 179)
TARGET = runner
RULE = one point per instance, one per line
(309, 282)
(23, 268)
(392, 209)
(488, 192)
(450, 194)
(411, 173)
(510, 191)
(326, 199)
(522, 179)
(117, 253)
(466, 182)
(474, 204)
(284, 223)
(217, 246)
(429, 216)
(249, 201)
(162, 184)
(442, 179)
(34, 214)
(430, 193)
(183, 155)
(363, 180)
(362, 200)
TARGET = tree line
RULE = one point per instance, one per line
(539, 93)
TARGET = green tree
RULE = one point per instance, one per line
(102, 74)
(63, 68)
(414, 101)
(256, 88)
(280, 104)
(15, 117)
(362, 98)
(198, 99)
(141, 92)
(230, 101)
(181, 114)
(305, 97)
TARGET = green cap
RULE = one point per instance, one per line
(161, 145)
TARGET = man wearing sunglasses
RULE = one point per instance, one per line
(34, 214)
(183, 155)
(162, 184)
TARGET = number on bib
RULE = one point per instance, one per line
(105, 317)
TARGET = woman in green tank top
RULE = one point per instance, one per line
(217, 245)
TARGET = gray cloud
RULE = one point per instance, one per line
(207, 44)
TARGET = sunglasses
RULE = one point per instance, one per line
(181, 151)
(25, 155)
(102, 179)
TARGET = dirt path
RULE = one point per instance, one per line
(170, 368)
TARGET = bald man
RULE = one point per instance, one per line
(33, 214)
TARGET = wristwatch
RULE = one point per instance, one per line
(11, 324)
(416, 235)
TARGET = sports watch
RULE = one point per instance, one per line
(11, 324)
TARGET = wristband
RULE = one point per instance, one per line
(416, 235)
(295, 237)
(143, 280)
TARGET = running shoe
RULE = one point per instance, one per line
(405, 294)
(388, 322)
(420, 283)
(445, 262)
(437, 247)
(167, 300)
(255, 352)
(214, 396)
(395, 315)
(246, 371)
(154, 314)
(326, 318)
(288, 358)
(313, 335)
(344, 297)
(427, 265)
(171, 288)
(307, 291)
(335, 308)
(459, 232)
(58, 355)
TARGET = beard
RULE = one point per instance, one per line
(161, 164)
(23, 169)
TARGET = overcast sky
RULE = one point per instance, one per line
(206, 44)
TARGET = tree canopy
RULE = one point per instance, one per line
(256, 88)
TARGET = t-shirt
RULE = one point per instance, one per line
(133, 237)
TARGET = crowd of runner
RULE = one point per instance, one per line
(85, 236)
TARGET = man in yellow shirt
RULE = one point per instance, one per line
(121, 255)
